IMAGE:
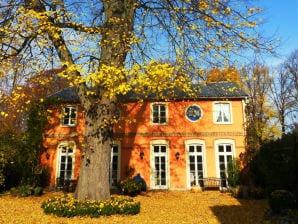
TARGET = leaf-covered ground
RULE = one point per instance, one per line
(210, 207)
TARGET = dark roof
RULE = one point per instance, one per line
(68, 95)
(221, 89)
(201, 91)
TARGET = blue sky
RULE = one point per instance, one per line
(281, 19)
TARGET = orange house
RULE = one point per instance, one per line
(172, 144)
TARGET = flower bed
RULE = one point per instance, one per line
(68, 206)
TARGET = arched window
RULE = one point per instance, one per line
(66, 158)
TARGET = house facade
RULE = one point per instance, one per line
(172, 144)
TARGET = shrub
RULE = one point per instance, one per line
(280, 200)
(14, 191)
(240, 191)
(233, 170)
(130, 187)
(24, 191)
(68, 206)
(38, 191)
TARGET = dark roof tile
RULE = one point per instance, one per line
(206, 90)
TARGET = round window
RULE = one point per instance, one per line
(193, 113)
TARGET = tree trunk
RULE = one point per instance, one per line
(93, 180)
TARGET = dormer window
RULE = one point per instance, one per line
(69, 116)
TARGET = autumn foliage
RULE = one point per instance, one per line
(156, 207)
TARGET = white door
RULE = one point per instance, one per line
(66, 157)
(195, 163)
(225, 155)
(159, 167)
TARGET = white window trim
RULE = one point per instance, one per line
(117, 143)
(151, 113)
(231, 112)
(159, 142)
(59, 157)
(219, 142)
(192, 142)
(62, 116)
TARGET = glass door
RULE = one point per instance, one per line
(160, 167)
(196, 164)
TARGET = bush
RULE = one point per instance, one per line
(67, 206)
(243, 191)
(280, 200)
(38, 191)
(25, 191)
(233, 170)
(240, 191)
(130, 187)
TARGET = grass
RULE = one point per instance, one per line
(210, 207)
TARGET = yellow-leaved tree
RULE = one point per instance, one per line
(109, 47)
(260, 113)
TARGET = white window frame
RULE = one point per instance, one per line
(118, 164)
(166, 112)
(152, 163)
(60, 153)
(217, 153)
(215, 112)
(203, 145)
(70, 124)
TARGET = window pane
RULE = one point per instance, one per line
(192, 166)
(163, 148)
(221, 159)
(156, 149)
(191, 148)
(162, 120)
(200, 166)
(66, 111)
(65, 121)
(68, 175)
(222, 166)
(155, 108)
(217, 112)
(199, 159)
(228, 148)
(199, 148)
(73, 112)
(226, 112)
(221, 148)
(115, 149)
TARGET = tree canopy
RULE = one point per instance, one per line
(109, 47)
